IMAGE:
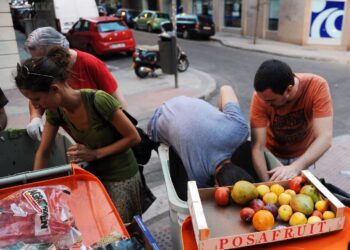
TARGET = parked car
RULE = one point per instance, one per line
(189, 26)
(127, 15)
(151, 20)
(101, 35)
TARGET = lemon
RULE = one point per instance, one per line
(277, 189)
(270, 198)
(328, 215)
(297, 219)
(284, 199)
(263, 189)
(285, 212)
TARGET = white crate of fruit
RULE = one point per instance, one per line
(221, 227)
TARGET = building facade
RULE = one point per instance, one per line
(302, 22)
(8, 47)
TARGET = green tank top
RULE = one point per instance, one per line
(100, 133)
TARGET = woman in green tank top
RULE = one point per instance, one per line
(103, 133)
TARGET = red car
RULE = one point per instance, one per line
(101, 35)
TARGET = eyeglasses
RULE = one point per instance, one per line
(26, 72)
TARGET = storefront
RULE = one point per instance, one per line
(202, 7)
(233, 13)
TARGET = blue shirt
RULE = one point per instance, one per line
(202, 135)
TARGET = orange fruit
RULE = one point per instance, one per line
(263, 220)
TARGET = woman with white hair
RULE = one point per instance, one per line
(86, 71)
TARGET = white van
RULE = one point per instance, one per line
(62, 14)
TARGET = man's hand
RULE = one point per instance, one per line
(79, 152)
(283, 173)
(35, 128)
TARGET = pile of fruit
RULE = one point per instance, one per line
(300, 204)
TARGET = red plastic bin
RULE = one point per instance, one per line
(93, 210)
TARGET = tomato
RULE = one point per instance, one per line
(296, 183)
(222, 196)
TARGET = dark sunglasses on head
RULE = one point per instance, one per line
(26, 72)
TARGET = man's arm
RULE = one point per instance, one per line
(227, 94)
(3, 119)
(258, 147)
(323, 130)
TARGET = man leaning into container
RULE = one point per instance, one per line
(3, 116)
(291, 115)
(203, 137)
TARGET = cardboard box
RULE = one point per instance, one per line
(218, 227)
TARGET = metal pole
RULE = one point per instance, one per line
(256, 21)
(173, 3)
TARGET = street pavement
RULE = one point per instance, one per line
(144, 95)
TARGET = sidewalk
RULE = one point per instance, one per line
(285, 49)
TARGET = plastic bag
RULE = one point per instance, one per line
(38, 215)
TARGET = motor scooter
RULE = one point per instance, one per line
(146, 59)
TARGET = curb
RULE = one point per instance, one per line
(210, 89)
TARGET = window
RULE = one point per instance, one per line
(186, 20)
(77, 27)
(163, 15)
(233, 13)
(203, 7)
(85, 26)
(274, 11)
(110, 26)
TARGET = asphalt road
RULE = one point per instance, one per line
(236, 68)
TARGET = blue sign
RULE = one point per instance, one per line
(326, 19)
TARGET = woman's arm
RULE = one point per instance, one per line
(42, 156)
(123, 125)
(118, 94)
(3, 119)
